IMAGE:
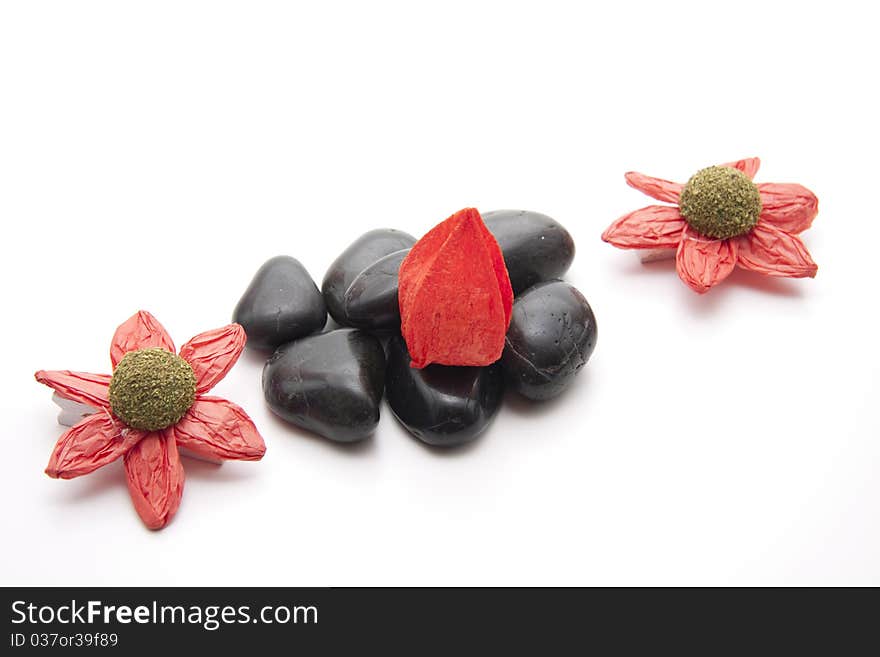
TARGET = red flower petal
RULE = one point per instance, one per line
(139, 331)
(217, 428)
(653, 227)
(748, 166)
(96, 441)
(213, 353)
(662, 190)
(454, 294)
(702, 262)
(155, 478)
(769, 250)
(788, 206)
(82, 387)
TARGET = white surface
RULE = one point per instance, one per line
(154, 156)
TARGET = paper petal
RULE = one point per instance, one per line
(213, 353)
(768, 250)
(139, 331)
(748, 166)
(788, 206)
(96, 441)
(702, 262)
(82, 387)
(653, 227)
(662, 190)
(216, 428)
(155, 478)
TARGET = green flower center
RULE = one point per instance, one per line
(720, 202)
(151, 389)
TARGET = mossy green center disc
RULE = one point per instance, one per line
(151, 389)
(720, 202)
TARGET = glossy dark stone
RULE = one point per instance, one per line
(441, 405)
(536, 248)
(329, 383)
(551, 337)
(371, 300)
(281, 303)
(362, 253)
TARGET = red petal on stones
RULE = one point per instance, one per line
(455, 294)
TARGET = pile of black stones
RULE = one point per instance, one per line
(331, 382)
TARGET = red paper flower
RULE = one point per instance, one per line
(455, 295)
(162, 396)
(722, 220)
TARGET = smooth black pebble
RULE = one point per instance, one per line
(281, 303)
(551, 336)
(536, 248)
(362, 253)
(371, 300)
(330, 383)
(441, 405)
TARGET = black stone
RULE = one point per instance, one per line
(551, 337)
(441, 405)
(362, 253)
(536, 248)
(329, 383)
(371, 300)
(281, 303)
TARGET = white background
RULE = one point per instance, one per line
(153, 155)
